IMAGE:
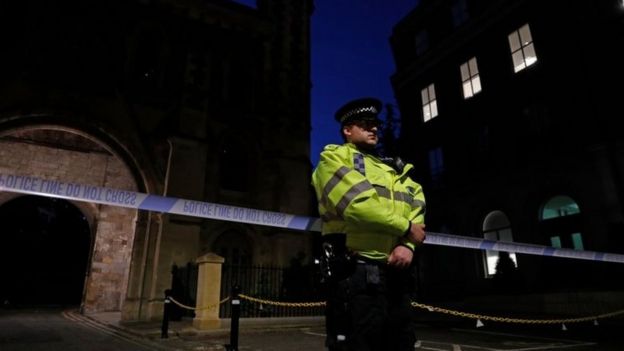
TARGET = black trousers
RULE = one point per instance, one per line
(370, 309)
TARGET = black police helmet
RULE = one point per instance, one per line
(360, 109)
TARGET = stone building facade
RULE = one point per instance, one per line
(202, 100)
(509, 110)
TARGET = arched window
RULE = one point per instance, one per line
(560, 222)
(559, 206)
(496, 227)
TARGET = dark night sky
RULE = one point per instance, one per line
(351, 58)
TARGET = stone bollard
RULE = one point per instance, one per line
(208, 291)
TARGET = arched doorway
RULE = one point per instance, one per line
(44, 251)
(60, 153)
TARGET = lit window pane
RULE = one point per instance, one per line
(432, 95)
(525, 35)
(464, 72)
(555, 241)
(476, 84)
(577, 241)
(430, 109)
(529, 54)
(492, 258)
(514, 41)
(560, 206)
(518, 61)
(467, 89)
(424, 96)
(427, 112)
(513, 258)
(473, 66)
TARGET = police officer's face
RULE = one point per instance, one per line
(362, 133)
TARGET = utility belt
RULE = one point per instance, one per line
(338, 262)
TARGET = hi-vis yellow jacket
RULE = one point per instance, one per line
(368, 200)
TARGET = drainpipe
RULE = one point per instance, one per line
(159, 217)
(144, 262)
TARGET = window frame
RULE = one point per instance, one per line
(429, 102)
(471, 79)
(522, 48)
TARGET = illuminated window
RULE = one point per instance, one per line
(559, 206)
(559, 218)
(555, 241)
(577, 241)
(522, 49)
(429, 103)
(471, 83)
(496, 227)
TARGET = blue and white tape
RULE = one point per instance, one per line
(141, 201)
(529, 249)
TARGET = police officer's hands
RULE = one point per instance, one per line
(400, 257)
(416, 233)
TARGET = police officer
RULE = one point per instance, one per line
(373, 217)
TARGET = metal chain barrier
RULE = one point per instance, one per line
(283, 304)
(233, 346)
(515, 320)
(451, 312)
(214, 305)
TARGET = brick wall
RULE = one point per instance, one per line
(112, 227)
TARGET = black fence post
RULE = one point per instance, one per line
(164, 329)
(233, 346)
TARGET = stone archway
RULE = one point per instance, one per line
(44, 251)
(70, 155)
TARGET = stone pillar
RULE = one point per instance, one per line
(208, 291)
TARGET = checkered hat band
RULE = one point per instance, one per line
(357, 111)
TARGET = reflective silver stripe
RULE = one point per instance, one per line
(382, 191)
(355, 190)
(398, 196)
(419, 203)
(331, 184)
(405, 197)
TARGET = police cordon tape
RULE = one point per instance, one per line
(141, 201)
